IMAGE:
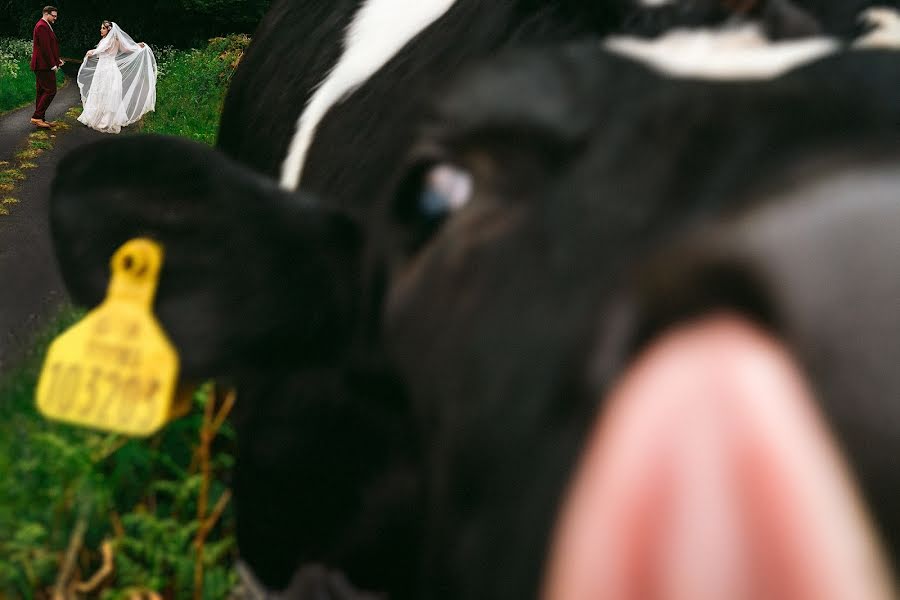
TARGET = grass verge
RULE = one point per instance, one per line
(16, 78)
(191, 88)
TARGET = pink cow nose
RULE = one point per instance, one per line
(712, 475)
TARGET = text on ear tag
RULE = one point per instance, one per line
(115, 369)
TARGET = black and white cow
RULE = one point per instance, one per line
(555, 311)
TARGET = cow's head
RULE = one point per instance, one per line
(603, 331)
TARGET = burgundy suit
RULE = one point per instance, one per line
(44, 56)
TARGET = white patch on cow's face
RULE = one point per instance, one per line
(654, 3)
(378, 31)
(741, 52)
(886, 33)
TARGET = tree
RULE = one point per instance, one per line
(180, 23)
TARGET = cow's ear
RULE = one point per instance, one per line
(252, 275)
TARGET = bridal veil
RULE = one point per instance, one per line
(137, 66)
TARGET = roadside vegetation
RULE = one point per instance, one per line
(99, 516)
(94, 515)
(16, 78)
(191, 88)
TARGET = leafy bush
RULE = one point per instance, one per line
(70, 495)
(191, 88)
(12, 53)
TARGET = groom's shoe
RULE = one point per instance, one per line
(41, 123)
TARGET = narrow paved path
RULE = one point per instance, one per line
(16, 125)
(31, 290)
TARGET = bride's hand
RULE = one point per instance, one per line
(90, 53)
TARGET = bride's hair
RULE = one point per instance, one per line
(108, 26)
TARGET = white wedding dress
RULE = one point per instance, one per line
(117, 83)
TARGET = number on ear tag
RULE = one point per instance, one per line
(115, 369)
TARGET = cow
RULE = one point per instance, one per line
(516, 308)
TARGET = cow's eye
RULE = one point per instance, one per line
(427, 197)
(445, 189)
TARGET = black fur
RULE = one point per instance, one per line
(193, 198)
(489, 332)
(409, 413)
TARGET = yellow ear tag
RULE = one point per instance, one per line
(115, 369)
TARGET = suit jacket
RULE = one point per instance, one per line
(45, 53)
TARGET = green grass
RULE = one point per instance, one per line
(11, 176)
(28, 154)
(191, 88)
(140, 501)
(16, 78)
(65, 487)
(18, 89)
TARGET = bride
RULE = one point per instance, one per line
(117, 81)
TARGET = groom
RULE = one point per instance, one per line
(44, 62)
